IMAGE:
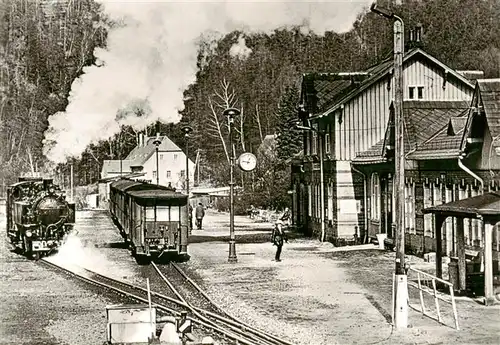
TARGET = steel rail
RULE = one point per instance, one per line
(230, 319)
(198, 311)
(203, 323)
(231, 322)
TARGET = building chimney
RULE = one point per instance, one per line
(141, 139)
(415, 37)
(418, 33)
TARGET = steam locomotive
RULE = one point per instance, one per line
(153, 219)
(38, 216)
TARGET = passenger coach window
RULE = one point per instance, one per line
(150, 214)
(174, 214)
(162, 213)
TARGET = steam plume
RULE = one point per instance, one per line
(240, 49)
(151, 59)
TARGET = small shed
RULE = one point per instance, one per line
(485, 207)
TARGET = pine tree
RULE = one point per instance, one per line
(289, 141)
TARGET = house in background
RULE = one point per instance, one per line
(141, 163)
(351, 112)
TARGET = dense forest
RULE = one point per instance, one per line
(46, 45)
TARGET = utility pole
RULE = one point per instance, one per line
(400, 298)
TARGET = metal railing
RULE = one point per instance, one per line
(422, 285)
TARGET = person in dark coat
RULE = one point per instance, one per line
(278, 237)
(199, 213)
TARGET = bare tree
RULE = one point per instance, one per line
(223, 99)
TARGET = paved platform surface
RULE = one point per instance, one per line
(320, 294)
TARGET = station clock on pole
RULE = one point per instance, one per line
(247, 161)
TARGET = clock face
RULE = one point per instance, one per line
(247, 161)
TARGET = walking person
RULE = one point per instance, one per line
(199, 213)
(278, 237)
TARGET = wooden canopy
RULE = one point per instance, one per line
(485, 207)
(481, 206)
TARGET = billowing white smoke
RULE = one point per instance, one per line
(240, 49)
(152, 58)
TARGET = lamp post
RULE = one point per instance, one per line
(321, 176)
(231, 113)
(157, 143)
(401, 288)
(187, 130)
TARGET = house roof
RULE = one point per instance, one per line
(490, 97)
(487, 204)
(321, 90)
(117, 177)
(426, 125)
(375, 74)
(374, 154)
(140, 154)
(445, 144)
(113, 166)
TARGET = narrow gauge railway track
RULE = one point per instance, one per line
(204, 307)
(167, 303)
(164, 304)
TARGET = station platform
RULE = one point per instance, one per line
(321, 294)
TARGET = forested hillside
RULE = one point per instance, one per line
(44, 47)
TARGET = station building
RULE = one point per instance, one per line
(452, 142)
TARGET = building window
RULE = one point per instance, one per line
(476, 225)
(375, 194)
(420, 92)
(306, 144)
(161, 156)
(169, 174)
(410, 208)
(309, 200)
(327, 143)
(314, 143)
(462, 194)
(428, 230)
(183, 172)
(318, 202)
(411, 92)
(154, 174)
(330, 201)
(175, 156)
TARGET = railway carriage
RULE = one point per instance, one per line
(38, 216)
(152, 219)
